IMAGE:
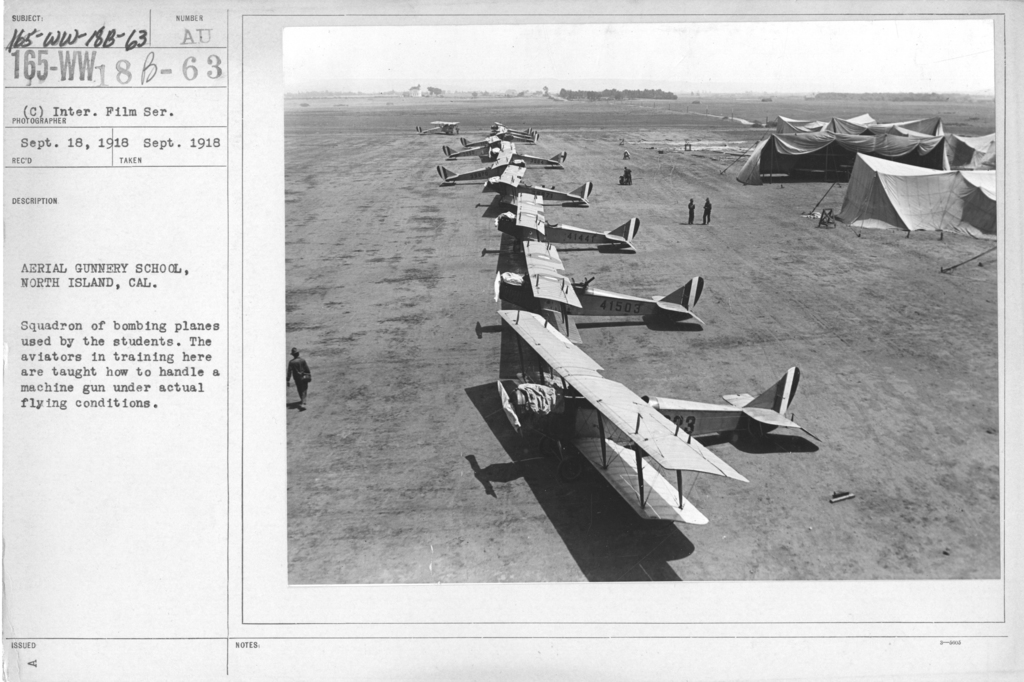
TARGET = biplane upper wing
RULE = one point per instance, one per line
(530, 213)
(641, 423)
(544, 267)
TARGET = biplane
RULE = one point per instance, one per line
(440, 128)
(495, 153)
(634, 447)
(499, 161)
(531, 276)
(507, 181)
(527, 222)
(502, 129)
(591, 301)
(502, 133)
(489, 150)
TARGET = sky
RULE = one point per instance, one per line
(809, 56)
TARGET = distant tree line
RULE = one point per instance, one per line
(615, 94)
(885, 96)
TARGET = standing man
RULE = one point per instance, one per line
(299, 370)
(628, 174)
(692, 207)
(707, 211)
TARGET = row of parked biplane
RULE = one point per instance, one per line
(640, 445)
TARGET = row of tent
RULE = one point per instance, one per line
(861, 125)
(886, 194)
(830, 156)
(973, 153)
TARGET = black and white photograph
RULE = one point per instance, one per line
(592, 302)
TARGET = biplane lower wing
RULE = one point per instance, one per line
(661, 499)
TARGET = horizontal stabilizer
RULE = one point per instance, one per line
(662, 500)
(773, 418)
(677, 309)
(738, 399)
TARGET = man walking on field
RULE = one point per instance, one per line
(692, 207)
(299, 370)
(707, 211)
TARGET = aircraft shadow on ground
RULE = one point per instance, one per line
(772, 443)
(605, 537)
(650, 321)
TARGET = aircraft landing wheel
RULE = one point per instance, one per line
(571, 468)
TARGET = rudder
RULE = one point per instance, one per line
(780, 396)
(688, 294)
(627, 230)
(584, 190)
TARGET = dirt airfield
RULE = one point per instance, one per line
(404, 470)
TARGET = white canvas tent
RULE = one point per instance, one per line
(886, 194)
(972, 153)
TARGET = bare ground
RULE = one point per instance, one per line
(403, 469)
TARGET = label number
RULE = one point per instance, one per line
(124, 74)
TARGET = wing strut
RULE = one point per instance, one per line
(679, 486)
(522, 363)
(640, 477)
(604, 448)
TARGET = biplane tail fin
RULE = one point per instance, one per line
(688, 294)
(779, 397)
(448, 151)
(584, 191)
(559, 158)
(464, 141)
(445, 174)
(626, 231)
(535, 136)
(419, 130)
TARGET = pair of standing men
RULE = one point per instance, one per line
(707, 210)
